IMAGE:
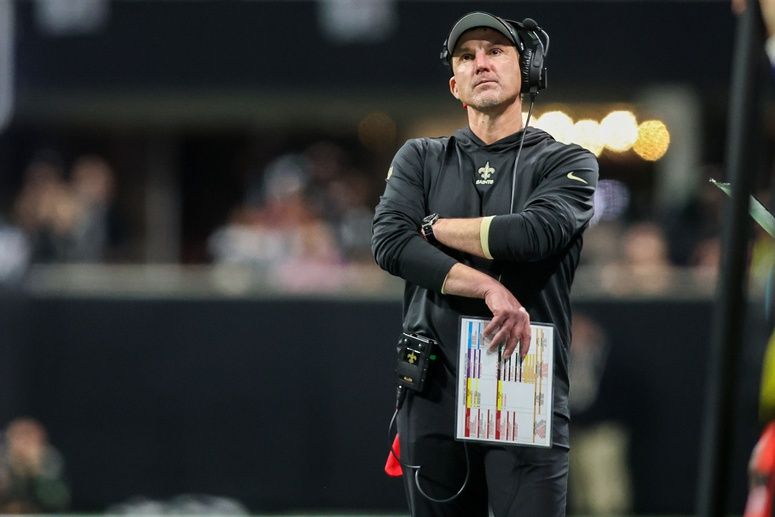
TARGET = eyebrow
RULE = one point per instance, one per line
(465, 47)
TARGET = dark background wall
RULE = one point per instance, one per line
(284, 403)
(147, 45)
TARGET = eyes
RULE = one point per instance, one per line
(492, 51)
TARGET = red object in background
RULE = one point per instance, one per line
(762, 474)
(392, 466)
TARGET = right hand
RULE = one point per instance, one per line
(510, 324)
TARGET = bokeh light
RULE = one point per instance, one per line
(653, 140)
(558, 124)
(586, 133)
(619, 130)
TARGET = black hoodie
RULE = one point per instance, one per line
(535, 246)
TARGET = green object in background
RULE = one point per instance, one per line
(757, 210)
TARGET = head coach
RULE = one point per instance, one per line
(487, 222)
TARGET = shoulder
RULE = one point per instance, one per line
(424, 144)
(416, 150)
(555, 150)
(558, 155)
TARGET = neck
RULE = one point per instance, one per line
(492, 125)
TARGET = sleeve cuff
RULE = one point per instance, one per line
(484, 236)
(444, 284)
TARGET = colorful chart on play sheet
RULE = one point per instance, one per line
(506, 402)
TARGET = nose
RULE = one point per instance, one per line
(482, 61)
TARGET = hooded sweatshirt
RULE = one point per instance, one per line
(534, 244)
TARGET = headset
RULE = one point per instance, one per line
(532, 52)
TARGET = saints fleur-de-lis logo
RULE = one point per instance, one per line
(485, 175)
(486, 171)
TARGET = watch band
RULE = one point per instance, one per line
(427, 227)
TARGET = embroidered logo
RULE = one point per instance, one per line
(572, 176)
(485, 175)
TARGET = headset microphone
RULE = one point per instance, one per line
(530, 24)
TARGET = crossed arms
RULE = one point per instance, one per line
(556, 211)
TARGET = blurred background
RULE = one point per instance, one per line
(190, 317)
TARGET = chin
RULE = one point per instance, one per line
(486, 102)
(491, 100)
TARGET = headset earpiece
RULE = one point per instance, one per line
(525, 61)
(444, 55)
(531, 61)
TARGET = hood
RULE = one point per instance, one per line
(469, 141)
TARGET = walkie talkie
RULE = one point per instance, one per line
(414, 356)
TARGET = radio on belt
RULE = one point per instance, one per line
(414, 356)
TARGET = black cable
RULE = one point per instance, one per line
(519, 151)
(460, 491)
(516, 161)
(401, 394)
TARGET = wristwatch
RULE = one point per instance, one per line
(427, 227)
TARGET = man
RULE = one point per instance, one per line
(485, 255)
(761, 467)
(768, 16)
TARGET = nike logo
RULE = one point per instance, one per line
(572, 176)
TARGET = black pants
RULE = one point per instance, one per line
(515, 481)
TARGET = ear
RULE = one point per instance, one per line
(453, 88)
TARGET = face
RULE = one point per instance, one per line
(486, 71)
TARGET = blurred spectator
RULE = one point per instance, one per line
(67, 222)
(304, 223)
(45, 209)
(343, 197)
(599, 476)
(283, 235)
(350, 197)
(706, 259)
(644, 267)
(31, 471)
(696, 223)
(93, 232)
(602, 244)
(325, 163)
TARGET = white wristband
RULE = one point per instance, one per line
(770, 47)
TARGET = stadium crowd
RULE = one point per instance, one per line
(303, 224)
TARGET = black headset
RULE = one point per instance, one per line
(532, 52)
